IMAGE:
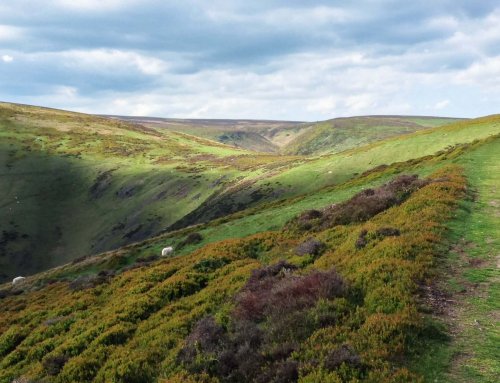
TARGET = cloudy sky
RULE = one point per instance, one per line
(272, 59)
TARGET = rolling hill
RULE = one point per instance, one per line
(256, 135)
(295, 138)
(74, 184)
(102, 183)
(374, 264)
(342, 134)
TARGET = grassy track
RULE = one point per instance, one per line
(468, 288)
(476, 258)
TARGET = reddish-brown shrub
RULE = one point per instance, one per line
(282, 372)
(270, 318)
(362, 206)
(387, 232)
(53, 364)
(275, 291)
(206, 336)
(311, 246)
(361, 241)
(343, 354)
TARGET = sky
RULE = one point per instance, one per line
(269, 59)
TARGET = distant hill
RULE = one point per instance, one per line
(341, 134)
(297, 138)
(256, 135)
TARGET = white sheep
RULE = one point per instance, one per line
(167, 251)
(17, 280)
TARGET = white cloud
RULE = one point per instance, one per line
(65, 91)
(300, 86)
(285, 17)
(311, 16)
(94, 5)
(361, 102)
(7, 58)
(485, 73)
(325, 105)
(10, 33)
(441, 104)
(109, 60)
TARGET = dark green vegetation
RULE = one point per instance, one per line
(334, 279)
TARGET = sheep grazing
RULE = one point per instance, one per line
(167, 251)
(17, 280)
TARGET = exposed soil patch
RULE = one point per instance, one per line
(218, 181)
(127, 191)
(101, 184)
(182, 191)
(437, 300)
(477, 262)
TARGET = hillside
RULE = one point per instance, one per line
(341, 270)
(342, 134)
(295, 138)
(146, 313)
(256, 135)
(314, 173)
(74, 184)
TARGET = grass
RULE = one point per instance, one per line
(296, 138)
(470, 354)
(313, 173)
(479, 230)
(342, 134)
(131, 325)
(255, 135)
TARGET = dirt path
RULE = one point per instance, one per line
(469, 294)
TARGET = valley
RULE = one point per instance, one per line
(332, 257)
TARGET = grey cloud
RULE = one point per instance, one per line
(193, 49)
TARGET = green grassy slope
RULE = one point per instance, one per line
(138, 335)
(132, 326)
(342, 134)
(274, 215)
(314, 173)
(74, 184)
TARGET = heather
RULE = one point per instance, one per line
(294, 304)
